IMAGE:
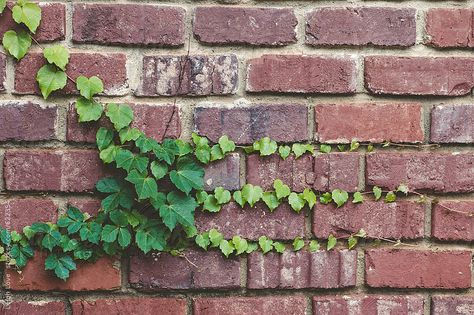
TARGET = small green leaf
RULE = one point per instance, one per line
(310, 197)
(158, 169)
(279, 247)
(226, 247)
(202, 150)
(179, 209)
(377, 192)
(124, 237)
(240, 244)
(403, 189)
(362, 233)
(332, 241)
(88, 87)
(298, 244)
(188, 175)
(215, 237)
(325, 148)
(58, 55)
(358, 197)
(3, 4)
(226, 144)
(270, 200)
(104, 138)
(216, 153)
(266, 146)
(342, 147)
(296, 201)
(266, 244)
(325, 198)
(17, 44)
(145, 186)
(340, 197)
(251, 247)
(129, 134)
(284, 151)
(203, 241)
(88, 110)
(108, 154)
(314, 246)
(390, 197)
(299, 149)
(351, 242)
(251, 194)
(28, 14)
(50, 79)
(128, 161)
(237, 195)
(281, 189)
(210, 204)
(109, 233)
(370, 148)
(120, 115)
(222, 195)
(354, 146)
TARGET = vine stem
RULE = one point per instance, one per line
(376, 238)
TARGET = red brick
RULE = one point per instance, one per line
(18, 213)
(27, 121)
(34, 278)
(188, 75)
(52, 170)
(130, 305)
(361, 26)
(283, 74)
(251, 223)
(224, 173)
(207, 270)
(87, 204)
(449, 76)
(110, 68)
(281, 122)
(369, 122)
(368, 304)
(51, 28)
(268, 305)
(33, 308)
(452, 124)
(254, 26)
(398, 220)
(445, 172)
(428, 269)
(449, 225)
(3, 71)
(450, 27)
(452, 305)
(129, 24)
(298, 270)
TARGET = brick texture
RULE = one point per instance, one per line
(449, 27)
(3, 72)
(18, 213)
(452, 305)
(449, 225)
(223, 173)
(33, 308)
(452, 124)
(295, 305)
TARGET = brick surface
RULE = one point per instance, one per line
(129, 24)
(281, 122)
(18, 213)
(3, 72)
(444, 172)
(369, 122)
(297, 270)
(89, 205)
(361, 26)
(130, 305)
(33, 308)
(452, 124)
(188, 75)
(449, 225)
(394, 268)
(209, 270)
(223, 173)
(269, 305)
(254, 26)
(449, 27)
(452, 305)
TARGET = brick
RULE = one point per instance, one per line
(27, 121)
(449, 27)
(130, 305)
(444, 172)
(268, 305)
(3, 71)
(52, 170)
(376, 26)
(445, 76)
(51, 28)
(281, 122)
(151, 119)
(427, 269)
(89, 205)
(368, 304)
(15, 214)
(33, 308)
(251, 223)
(34, 278)
(110, 68)
(452, 124)
(303, 269)
(209, 270)
(450, 225)
(223, 173)
(369, 122)
(398, 220)
(282, 74)
(253, 26)
(128, 24)
(452, 305)
(188, 75)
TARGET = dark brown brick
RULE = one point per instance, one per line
(224, 173)
(268, 305)
(452, 124)
(450, 27)
(33, 307)
(452, 305)
(451, 225)
(17, 213)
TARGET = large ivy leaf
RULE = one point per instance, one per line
(21, 254)
(145, 186)
(17, 44)
(57, 55)
(281, 189)
(88, 110)
(28, 14)
(61, 264)
(50, 79)
(188, 175)
(104, 138)
(120, 194)
(88, 87)
(151, 236)
(340, 197)
(128, 161)
(266, 146)
(158, 169)
(73, 220)
(179, 209)
(121, 115)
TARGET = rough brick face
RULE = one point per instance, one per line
(449, 225)
(452, 124)
(18, 213)
(294, 305)
(224, 173)
(450, 27)
(361, 26)
(3, 71)
(394, 268)
(254, 26)
(285, 74)
(33, 308)
(452, 305)
(369, 122)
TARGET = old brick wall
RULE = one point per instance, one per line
(319, 71)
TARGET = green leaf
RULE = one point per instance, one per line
(210, 204)
(119, 218)
(121, 115)
(358, 197)
(215, 237)
(226, 144)
(251, 194)
(109, 233)
(340, 197)
(124, 237)
(240, 244)
(50, 79)
(216, 153)
(332, 241)
(362, 233)
(370, 148)
(104, 138)
(21, 254)
(146, 144)
(222, 195)
(201, 196)
(266, 244)
(145, 186)
(325, 148)
(179, 209)
(281, 189)
(3, 4)
(51, 239)
(251, 247)
(354, 145)
(128, 161)
(28, 14)
(314, 246)
(158, 169)
(296, 201)
(129, 134)
(351, 242)
(151, 236)
(390, 197)
(270, 200)
(88, 87)
(188, 175)
(266, 146)
(17, 44)
(88, 110)
(226, 247)
(299, 149)
(284, 151)
(108, 154)
(342, 147)
(310, 197)
(57, 55)
(237, 195)
(183, 147)
(203, 241)
(326, 198)
(403, 189)
(377, 192)
(61, 264)
(298, 244)
(279, 247)
(202, 150)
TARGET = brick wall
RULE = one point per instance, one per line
(319, 71)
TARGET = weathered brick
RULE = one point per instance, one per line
(251, 223)
(337, 170)
(450, 27)
(449, 76)
(32, 307)
(209, 270)
(129, 24)
(254, 26)
(361, 26)
(3, 71)
(52, 170)
(303, 269)
(224, 173)
(395, 268)
(268, 305)
(369, 122)
(86, 278)
(450, 225)
(398, 220)
(130, 305)
(446, 172)
(283, 74)
(110, 68)
(452, 305)
(368, 304)
(18, 213)
(452, 124)
(188, 75)
(27, 121)
(87, 204)
(281, 122)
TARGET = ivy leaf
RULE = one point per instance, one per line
(358, 197)
(266, 146)
(226, 248)
(326, 198)
(201, 196)
(124, 237)
(377, 192)
(203, 241)
(3, 4)
(281, 189)
(188, 175)
(121, 115)
(73, 220)
(51, 239)
(299, 149)
(237, 195)
(279, 247)
(88, 87)
(354, 145)
(104, 138)
(151, 236)
(296, 201)
(50, 79)
(340, 197)
(222, 195)
(179, 209)
(57, 55)
(266, 244)
(342, 147)
(314, 246)
(61, 264)
(298, 244)
(240, 244)
(145, 186)
(325, 148)
(370, 148)
(270, 200)
(108, 154)
(215, 237)
(403, 189)
(146, 144)
(210, 204)
(88, 110)
(361, 233)
(390, 197)
(17, 44)
(226, 144)
(28, 14)
(332, 241)
(109, 233)
(310, 197)
(129, 134)
(351, 242)
(158, 169)
(251, 194)
(128, 161)
(203, 150)
(216, 153)
(284, 151)
(251, 247)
